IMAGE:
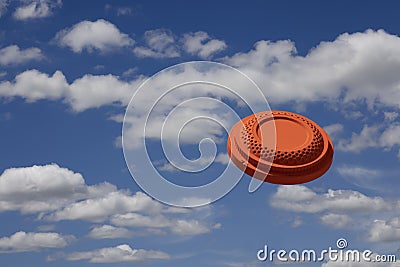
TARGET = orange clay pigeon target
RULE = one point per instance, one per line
(301, 152)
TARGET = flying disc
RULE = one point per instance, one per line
(280, 147)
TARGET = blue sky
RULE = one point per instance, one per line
(68, 70)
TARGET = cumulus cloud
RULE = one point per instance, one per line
(160, 43)
(100, 208)
(93, 91)
(138, 220)
(36, 9)
(334, 129)
(302, 199)
(390, 136)
(385, 231)
(44, 188)
(57, 194)
(385, 135)
(174, 225)
(176, 109)
(367, 138)
(201, 44)
(98, 35)
(341, 70)
(390, 116)
(121, 253)
(337, 72)
(343, 209)
(89, 91)
(190, 227)
(13, 55)
(33, 85)
(109, 232)
(22, 241)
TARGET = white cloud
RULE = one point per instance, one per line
(44, 188)
(336, 220)
(390, 116)
(93, 91)
(121, 253)
(129, 72)
(381, 135)
(22, 241)
(33, 85)
(299, 198)
(109, 232)
(56, 194)
(89, 91)
(97, 35)
(13, 55)
(341, 73)
(192, 227)
(269, 62)
(390, 136)
(334, 129)
(160, 43)
(368, 137)
(327, 69)
(338, 72)
(99, 209)
(174, 225)
(174, 115)
(201, 44)
(385, 231)
(320, 75)
(138, 220)
(344, 209)
(36, 9)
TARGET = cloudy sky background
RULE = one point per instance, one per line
(68, 70)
